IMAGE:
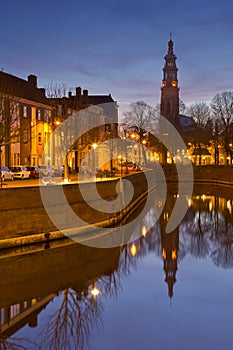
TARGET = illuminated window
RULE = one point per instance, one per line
(38, 114)
(47, 115)
(25, 111)
(174, 83)
(25, 136)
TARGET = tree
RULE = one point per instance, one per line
(200, 112)
(222, 107)
(182, 107)
(57, 93)
(9, 126)
(141, 118)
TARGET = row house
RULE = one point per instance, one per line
(25, 120)
(103, 113)
(28, 120)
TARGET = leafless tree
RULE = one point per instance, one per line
(200, 112)
(182, 107)
(222, 107)
(16, 343)
(55, 90)
(141, 118)
(9, 124)
(202, 135)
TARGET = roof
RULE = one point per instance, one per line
(12, 85)
(99, 99)
(187, 123)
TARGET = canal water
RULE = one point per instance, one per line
(162, 291)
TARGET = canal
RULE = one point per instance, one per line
(161, 291)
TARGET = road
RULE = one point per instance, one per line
(74, 178)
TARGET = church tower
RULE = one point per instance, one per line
(169, 107)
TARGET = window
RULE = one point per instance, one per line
(59, 110)
(47, 115)
(25, 136)
(38, 114)
(39, 138)
(14, 110)
(25, 111)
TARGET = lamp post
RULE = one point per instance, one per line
(94, 148)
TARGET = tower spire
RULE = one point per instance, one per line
(170, 89)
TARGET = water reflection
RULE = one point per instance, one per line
(71, 283)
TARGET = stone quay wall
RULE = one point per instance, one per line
(22, 212)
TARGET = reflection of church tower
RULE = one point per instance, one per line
(169, 107)
(169, 250)
(170, 246)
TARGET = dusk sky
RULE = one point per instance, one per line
(118, 47)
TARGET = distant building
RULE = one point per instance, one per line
(169, 107)
(106, 111)
(198, 140)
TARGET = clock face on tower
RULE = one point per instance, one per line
(174, 83)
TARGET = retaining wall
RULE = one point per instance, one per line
(22, 211)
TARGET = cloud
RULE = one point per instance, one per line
(82, 69)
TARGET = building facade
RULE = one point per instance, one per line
(25, 120)
(28, 120)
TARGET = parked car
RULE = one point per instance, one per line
(34, 171)
(20, 172)
(6, 174)
(45, 170)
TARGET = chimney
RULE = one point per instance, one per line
(85, 93)
(70, 94)
(32, 79)
(78, 91)
(43, 91)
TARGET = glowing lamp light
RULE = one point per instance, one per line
(210, 206)
(133, 250)
(174, 83)
(144, 232)
(174, 256)
(164, 254)
(95, 292)
(229, 205)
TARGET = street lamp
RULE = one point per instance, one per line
(94, 147)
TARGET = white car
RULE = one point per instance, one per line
(45, 170)
(20, 172)
(6, 174)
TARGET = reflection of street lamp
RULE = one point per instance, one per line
(94, 147)
(133, 250)
(95, 292)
